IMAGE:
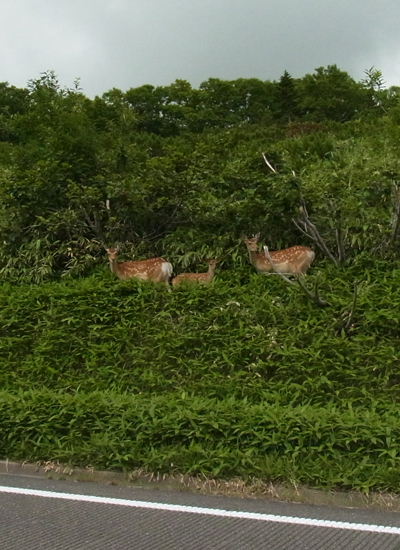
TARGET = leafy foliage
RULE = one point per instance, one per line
(243, 377)
(172, 170)
(323, 446)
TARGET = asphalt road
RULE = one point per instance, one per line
(59, 515)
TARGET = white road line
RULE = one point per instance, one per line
(204, 511)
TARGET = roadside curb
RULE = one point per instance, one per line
(233, 488)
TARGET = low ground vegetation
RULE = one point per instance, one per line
(237, 378)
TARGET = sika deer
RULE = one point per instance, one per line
(203, 278)
(157, 270)
(291, 261)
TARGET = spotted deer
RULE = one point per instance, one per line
(291, 261)
(157, 270)
(203, 278)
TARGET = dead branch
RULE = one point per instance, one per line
(94, 224)
(312, 232)
(314, 297)
(267, 255)
(296, 223)
(338, 232)
(395, 214)
(267, 163)
(353, 308)
(340, 244)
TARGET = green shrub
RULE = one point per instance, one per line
(321, 446)
(240, 377)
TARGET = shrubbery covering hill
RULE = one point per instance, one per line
(245, 376)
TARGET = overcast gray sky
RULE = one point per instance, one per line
(127, 43)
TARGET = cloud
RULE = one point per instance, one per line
(124, 44)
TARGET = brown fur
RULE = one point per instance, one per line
(157, 270)
(203, 278)
(291, 261)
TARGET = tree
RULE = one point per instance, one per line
(330, 94)
(380, 99)
(286, 98)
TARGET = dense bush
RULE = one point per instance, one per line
(321, 446)
(180, 172)
(244, 377)
(243, 336)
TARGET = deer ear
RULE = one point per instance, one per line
(257, 236)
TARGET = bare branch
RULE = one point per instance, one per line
(93, 224)
(303, 231)
(395, 214)
(353, 308)
(268, 256)
(267, 163)
(314, 234)
(340, 244)
(338, 232)
(313, 297)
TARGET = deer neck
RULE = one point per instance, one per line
(210, 274)
(114, 267)
(254, 258)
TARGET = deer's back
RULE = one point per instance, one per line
(296, 259)
(190, 277)
(156, 269)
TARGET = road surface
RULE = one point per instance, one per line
(42, 514)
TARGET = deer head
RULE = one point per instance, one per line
(252, 243)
